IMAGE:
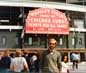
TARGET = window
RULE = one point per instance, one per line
(79, 23)
(61, 41)
(16, 40)
(30, 40)
(34, 40)
(4, 40)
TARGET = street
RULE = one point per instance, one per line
(81, 68)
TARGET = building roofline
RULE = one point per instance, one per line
(45, 4)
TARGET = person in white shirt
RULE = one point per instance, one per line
(65, 65)
(18, 63)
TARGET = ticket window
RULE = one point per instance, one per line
(62, 42)
(77, 41)
(34, 40)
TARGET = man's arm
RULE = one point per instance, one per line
(59, 62)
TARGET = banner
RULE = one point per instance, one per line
(46, 21)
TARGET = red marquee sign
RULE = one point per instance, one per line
(46, 21)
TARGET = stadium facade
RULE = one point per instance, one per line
(13, 14)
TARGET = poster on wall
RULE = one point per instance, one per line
(46, 21)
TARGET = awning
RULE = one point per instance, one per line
(46, 21)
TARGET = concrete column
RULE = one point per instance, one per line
(69, 56)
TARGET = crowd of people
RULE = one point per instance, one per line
(25, 62)
(19, 62)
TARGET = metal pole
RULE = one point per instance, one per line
(23, 26)
(83, 2)
(22, 17)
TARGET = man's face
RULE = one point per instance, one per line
(52, 44)
(6, 53)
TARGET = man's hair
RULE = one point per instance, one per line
(52, 39)
(18, 53)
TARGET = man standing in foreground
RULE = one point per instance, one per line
(51, 59)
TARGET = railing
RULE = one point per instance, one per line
(41, 49)
(81, 51)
